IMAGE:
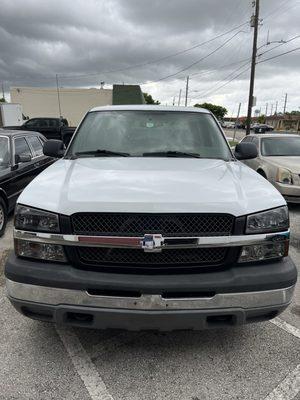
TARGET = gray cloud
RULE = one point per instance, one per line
(78, 37)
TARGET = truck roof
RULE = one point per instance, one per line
(147, 107)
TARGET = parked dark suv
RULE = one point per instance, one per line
(21, 159)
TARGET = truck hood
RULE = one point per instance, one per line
(291, 163)
(134, 184)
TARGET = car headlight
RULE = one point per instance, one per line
(32, 219)
(284, 176)
(273, 220)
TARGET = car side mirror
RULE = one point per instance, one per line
(245, 151)
(22, 158)
(54, 148)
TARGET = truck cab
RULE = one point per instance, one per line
(51, 128)
(149, 221)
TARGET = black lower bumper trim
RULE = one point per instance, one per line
(137, 320)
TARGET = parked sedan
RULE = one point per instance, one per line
(257, 128)
(278, 161)
(21, 159)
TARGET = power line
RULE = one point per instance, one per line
(281, 44)
(278, 55)
(226, 83)
(161, 58)
(276, 9)
(226, 77)
(194, 63)
(223, 66)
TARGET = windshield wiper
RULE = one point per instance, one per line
(101, 153)
(171, 153)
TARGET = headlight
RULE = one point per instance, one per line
(32, 219)
(268, 221)
(41, 251)
(284, 176)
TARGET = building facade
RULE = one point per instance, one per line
(70, 103)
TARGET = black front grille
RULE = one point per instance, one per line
(130, 224)
(137, 257)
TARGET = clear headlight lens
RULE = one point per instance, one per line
(284, 176)
(260, 252)
(41, 251)
(32, 219)
(268, 221)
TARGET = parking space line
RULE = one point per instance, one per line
(84, 365)
(286, 327)
(288, 388)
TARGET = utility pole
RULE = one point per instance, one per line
(3, 95)
(285, 100)
(174, 100)
(254, 23)
(179, 98)
(267, 105)
(276, 105)
(186, 90)
(237, 120)
(58, 97)
(271, 109)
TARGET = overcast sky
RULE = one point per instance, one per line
(83, 40)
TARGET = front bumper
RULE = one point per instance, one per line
(63, 294)
(291, 193)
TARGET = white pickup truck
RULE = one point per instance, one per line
(149, 221)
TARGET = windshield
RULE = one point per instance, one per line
(4, 153)
(289, 146)
(140, 133)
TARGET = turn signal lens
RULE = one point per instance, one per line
(41, 251)
(261, 252)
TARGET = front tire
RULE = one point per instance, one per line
(260, 172)
(3, 217)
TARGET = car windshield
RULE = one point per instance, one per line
(140, 133)
(281, 146)
(4, 153)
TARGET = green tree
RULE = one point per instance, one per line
(294, 112)
(218, 111)
(261, 119)
(2, 100)
(149, 99)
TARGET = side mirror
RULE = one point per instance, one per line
(245, 151)
(22, 158)
(54, 148)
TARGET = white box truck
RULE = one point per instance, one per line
(10, 114)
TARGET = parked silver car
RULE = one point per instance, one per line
(278, 161)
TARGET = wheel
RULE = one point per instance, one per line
(3, 216)
(260, 172)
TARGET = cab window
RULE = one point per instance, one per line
(36, 145)
(21, 147)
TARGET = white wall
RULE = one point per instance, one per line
(43, 102)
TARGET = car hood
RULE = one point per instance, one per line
(134, 184)
(291, 163)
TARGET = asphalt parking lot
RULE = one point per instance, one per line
(42, 361)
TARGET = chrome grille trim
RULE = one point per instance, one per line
(134, 242)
